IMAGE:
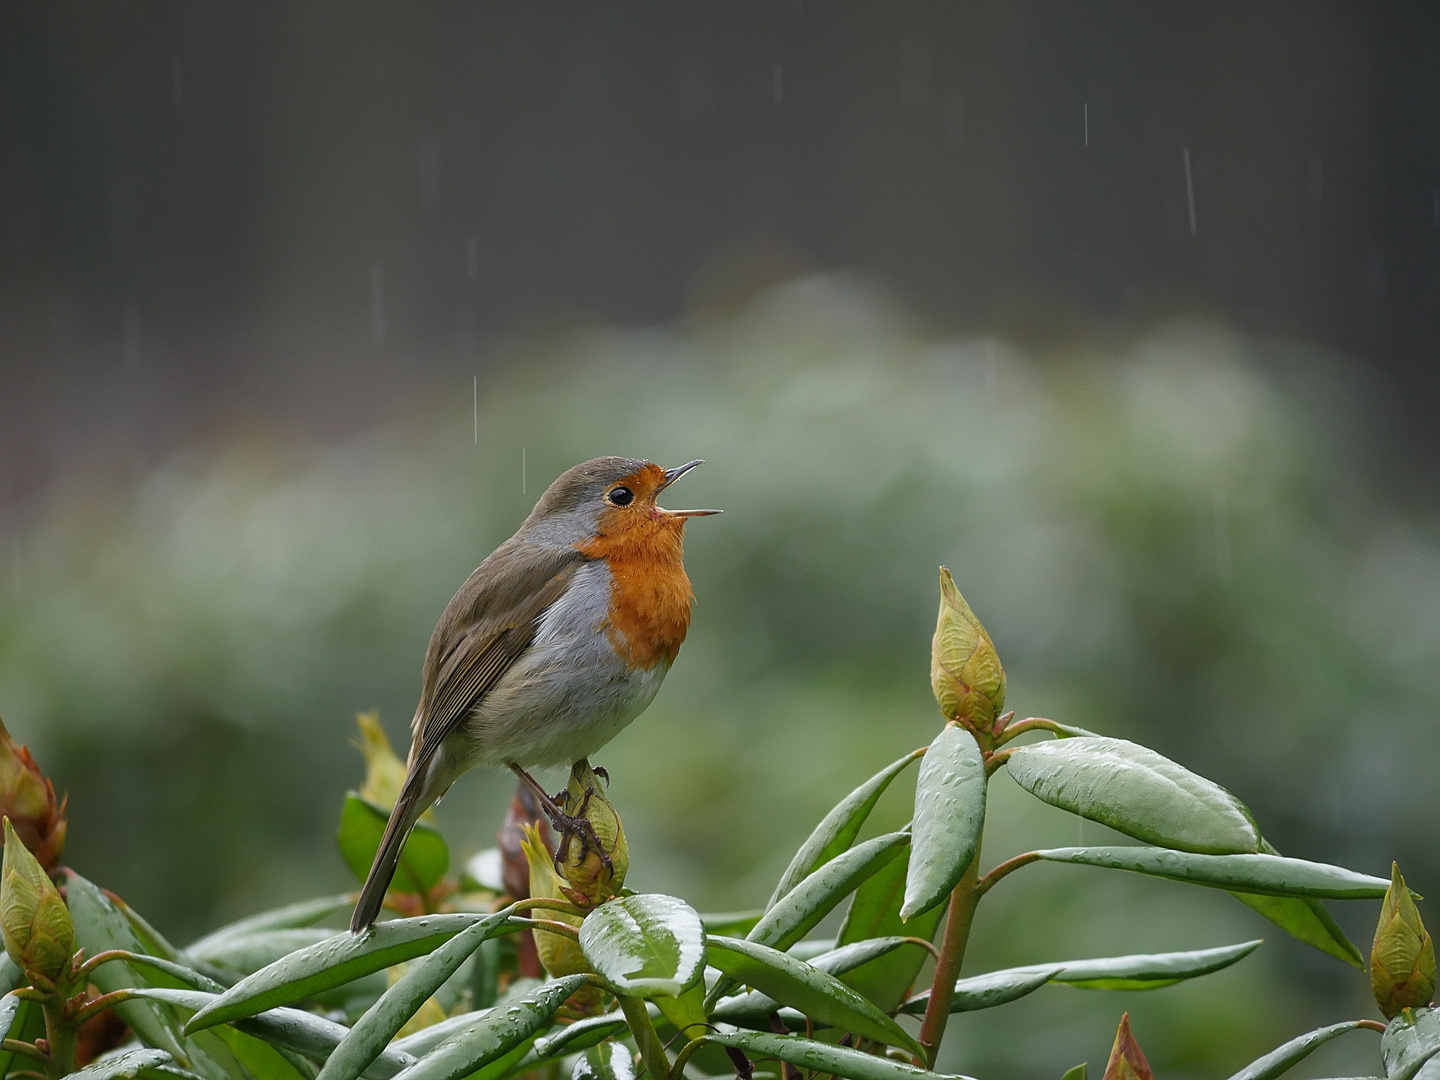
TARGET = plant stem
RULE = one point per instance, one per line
(60, 1034)
(963, 899)
(1033, 723)
(18, 1046)
(1009, 866)
(647, 1039)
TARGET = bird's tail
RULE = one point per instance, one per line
(408, 808)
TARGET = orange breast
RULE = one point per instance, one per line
(649, 594)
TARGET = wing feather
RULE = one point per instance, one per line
(483, 632)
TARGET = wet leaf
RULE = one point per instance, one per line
(1142, 971)
(497, 1038)
(291, 916)
(296, 1030)
(875, 913)
(988, 990)
(1283, 1057)
(645, 945)
(822, 1057)
(339, 959)
(1410, 1040)
(818, 995)
(383, 1020)
(128, 1065)
(837, 829)
(608, 1061)
(1268, 874)
(949, 817)
(1136, 791)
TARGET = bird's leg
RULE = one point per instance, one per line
(567, 825)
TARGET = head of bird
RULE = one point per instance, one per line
(610, 504)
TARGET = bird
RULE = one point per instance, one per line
(556, 642)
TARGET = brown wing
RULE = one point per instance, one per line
(486, 627)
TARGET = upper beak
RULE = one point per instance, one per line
(671, 475)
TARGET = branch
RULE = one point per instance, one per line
(1033, 723)
(30, 1050)
(1009, 866)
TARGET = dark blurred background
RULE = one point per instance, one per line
(1125, 311)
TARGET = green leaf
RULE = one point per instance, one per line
(949, 817)
(11, 976)
(1142, 971)
(1076, 1072)
(301, 1032)
(988, 990)
(244, 954)
(290, 917)
(754, 1006)
(495, 1035)
(373, 1031)
(875, 913)
(847, 958)
(1305, 918)
(1268, 874)
(257, 1057)
(818, 995)
(579, 1036)
(1282, 1057)
(423, 860)
(686, 1011)
(14, 1011)
(99, 927)
(1409, 1042)
(837, 829)
(1133, 789)
(609, 1061)
(731, 922)
(645, 945)
(822, 1057)
(380, 1023)
(333, 962)
(799, 910)
(127, 1065)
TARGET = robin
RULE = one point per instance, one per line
(559, 639)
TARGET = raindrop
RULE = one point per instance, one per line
(1222, 538)
(1189, 189)
(377, 302)
(132, 335)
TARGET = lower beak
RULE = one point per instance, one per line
(671, 475)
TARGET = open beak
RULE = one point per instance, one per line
(671, 475)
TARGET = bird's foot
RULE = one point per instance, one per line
(577, 826)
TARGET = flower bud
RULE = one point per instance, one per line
(1127, 1061)
(27, 798)
(591, 881)
(965, 670)
(1402, 959)
(33, 918)
(558, 955)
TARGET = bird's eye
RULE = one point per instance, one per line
(621, 496)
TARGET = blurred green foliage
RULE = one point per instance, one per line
(1188, 538)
